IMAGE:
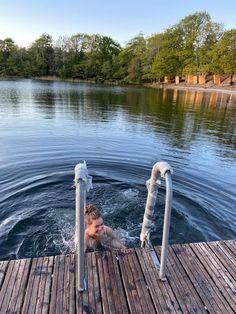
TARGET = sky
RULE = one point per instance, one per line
(26, 20)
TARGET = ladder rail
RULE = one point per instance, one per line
(160, 170)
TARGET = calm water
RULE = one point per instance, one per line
(46, 128)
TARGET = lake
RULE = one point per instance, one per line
(46, 128)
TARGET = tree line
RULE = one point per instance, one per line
(195, 45)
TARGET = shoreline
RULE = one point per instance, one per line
(226, 89)
(202, 88)
(213, 89)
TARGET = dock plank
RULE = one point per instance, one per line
(3, 270)
(63, 285)
(108, 284)
(14, 286)
(231, 245)
(222, 279)
(54, 285)
(225, 256)
(4, 293)
(201, 278)
(68, 290)
(91, 296)
(19, 288)
(135, 303)
(60, 284)
(81, 298)
(96, 287)
(32, 291)
(115, 279)
(121, 294)
(47, 278)
(43, 272)
(163, 290)
(141, 284)
(149, 277)
(102, 281)
(181, 285)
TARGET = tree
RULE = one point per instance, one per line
(199, 34)
(132, 59)
(224, 54)
(153, 47)
(42, 56)
(7, 49)
(167, 61)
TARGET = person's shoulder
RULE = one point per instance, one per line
(108, 230)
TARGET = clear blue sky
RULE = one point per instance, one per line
(25, 20)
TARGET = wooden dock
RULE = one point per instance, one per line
(201, 279)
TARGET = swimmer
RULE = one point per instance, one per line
(97, 235)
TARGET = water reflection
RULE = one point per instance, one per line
(45, 104)
(180, 115)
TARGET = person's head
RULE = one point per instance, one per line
(93, 220)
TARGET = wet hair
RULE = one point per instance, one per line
(91, 213)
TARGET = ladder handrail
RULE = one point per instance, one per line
(160, 170)
(83, 182)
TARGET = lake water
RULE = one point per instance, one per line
(46, 128)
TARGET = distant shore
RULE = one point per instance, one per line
(227, 89)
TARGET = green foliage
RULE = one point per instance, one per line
(224, 54)
(194, 45)
(41, 55)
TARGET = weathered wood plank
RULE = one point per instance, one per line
(29, 287)
(19, 288)
(165, 294)
(78, 295)
(91, 268)
(221, 278)
(112, 285)
(60, 285)
(4, 293)
(224, 255)
(54, 289)
(31, 295)
(121, 295)
(181, 285)
(102, 278)
(149, 277)
(68, 292)
(48, 281)
(231, 244)
(109, 284)
(141, 285)
(63, 298)
(72, 305)
(3, 270)
(12, 292)
(96, 287)
(135, 306)
(201, 280)
(44, 272)
(86, 309)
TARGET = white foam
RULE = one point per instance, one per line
(130, 193)
(7, 224)
(125, 236)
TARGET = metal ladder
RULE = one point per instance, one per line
(83, 182)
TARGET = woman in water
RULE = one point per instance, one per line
(97, 235)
